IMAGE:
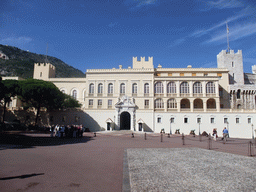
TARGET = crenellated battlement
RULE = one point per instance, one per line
(142, 64)
(224, 52)
(44, 71)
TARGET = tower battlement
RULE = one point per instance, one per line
(142, 64)
(44, 71)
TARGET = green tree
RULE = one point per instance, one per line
(38, 93)
(9, 90)
(70, 102)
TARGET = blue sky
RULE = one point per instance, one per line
(91, 34)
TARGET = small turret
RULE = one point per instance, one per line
(142, 64)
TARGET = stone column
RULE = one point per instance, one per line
(205, 105)
(165, 88)
(190, 88)
(178, 88)
(204, 88)
(217, 88)
(191, 105)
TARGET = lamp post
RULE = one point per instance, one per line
(171, 126)
(114, 122)
(252, 133)
(228, 128)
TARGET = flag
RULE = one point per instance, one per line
(227, 29)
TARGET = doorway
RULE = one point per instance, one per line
(125, 121)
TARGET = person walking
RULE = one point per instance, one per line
(225, 133)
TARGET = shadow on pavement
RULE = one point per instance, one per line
(21, 141)
(22, 176)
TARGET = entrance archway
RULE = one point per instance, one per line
(125, 121)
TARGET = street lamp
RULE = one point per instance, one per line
(252, 133)
(228, 128)
(171, 126)
(114, 122)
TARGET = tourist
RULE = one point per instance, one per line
(214, 134)
(225, 133)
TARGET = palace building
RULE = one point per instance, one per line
(149, 99)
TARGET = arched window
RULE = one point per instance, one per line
(159, 88)
(171, 87)
(210, 87)
(159, 104)
(110, 88)
(197, 87)
(146, 88)
(91, 88)
(63, 91)
(74, 94)
(171, 104)
(100, 88)
(122, 88)
(134, 88)
(184, 87)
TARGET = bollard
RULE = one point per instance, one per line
(250, 146)
(200, 137)
(94, 134)
(145, 136)
(183, 139)
(132, 135)
(161, 137)
(210, 143)
(168, 135)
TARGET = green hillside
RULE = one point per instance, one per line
(21, 63)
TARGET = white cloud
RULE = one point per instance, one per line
(235, 33)
(177, 42)
(145, 2)
(224, 4)
(16, 40)
(245, 12)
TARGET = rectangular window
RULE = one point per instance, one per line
(193, 74)
(225, 120)
(146, 104)
(100, 102)
(90, 102)
(212, 120)
(198, 120)
(205, 74)
(110, 102)
(159, 120)
(237, 120)
(172, 120)
(249, 120)
(181, 74)
(185, 120)
(169, 74)
(221, 93)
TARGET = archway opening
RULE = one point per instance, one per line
(125, 121)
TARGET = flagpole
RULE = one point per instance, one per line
(227, 37)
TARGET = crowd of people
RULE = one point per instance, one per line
(70, 131)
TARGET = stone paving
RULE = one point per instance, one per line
(188, 169)
(37, 162)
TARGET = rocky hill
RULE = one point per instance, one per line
(21, 63)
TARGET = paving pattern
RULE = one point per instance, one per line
(189, 169)
(37, 162)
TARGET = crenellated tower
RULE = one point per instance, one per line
(44, 71)
(234, 63)
(142, 64)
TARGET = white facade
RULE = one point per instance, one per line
(144, 98)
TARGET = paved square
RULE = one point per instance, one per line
(188, 169)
